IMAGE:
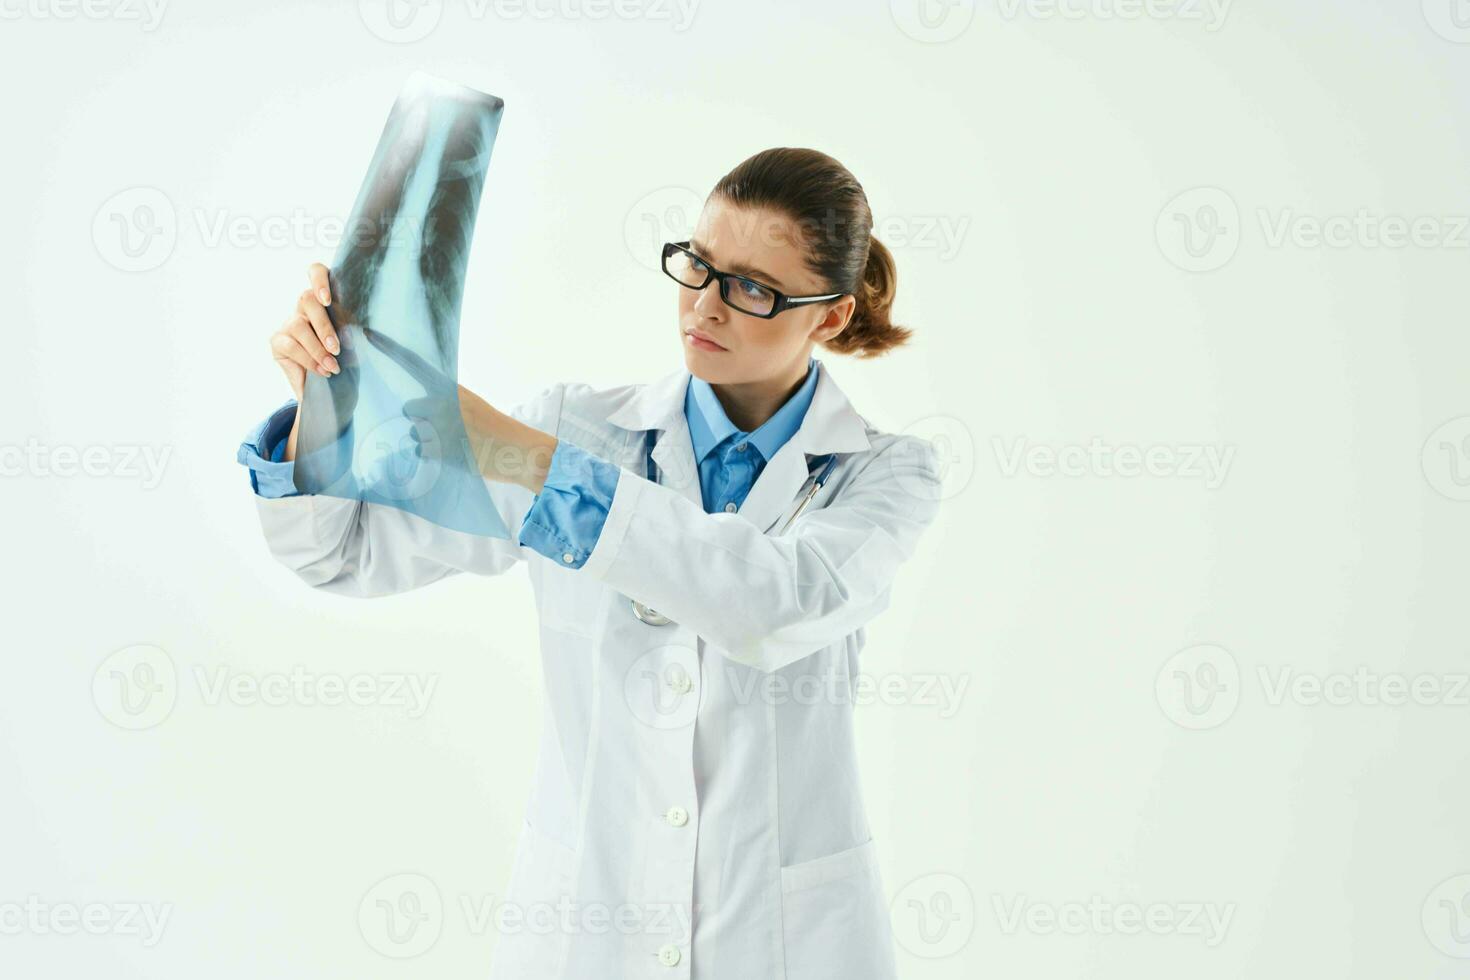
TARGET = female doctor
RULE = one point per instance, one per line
(705, 552)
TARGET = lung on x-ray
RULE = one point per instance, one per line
(387, 429)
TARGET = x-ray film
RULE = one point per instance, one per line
(387, 429)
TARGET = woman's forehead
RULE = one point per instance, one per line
(753, 242)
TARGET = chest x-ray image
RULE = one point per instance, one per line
(387, 429)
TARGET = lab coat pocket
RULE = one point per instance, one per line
(834, 918)
(534, 939)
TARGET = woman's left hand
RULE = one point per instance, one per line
(505, 448)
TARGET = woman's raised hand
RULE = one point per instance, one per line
(505, 448)
(307, 341)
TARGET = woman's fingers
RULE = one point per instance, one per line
(307, 340)
(316, 314)
(307, 336)
(321, 283)
(297, 341)
(295, 371)
(289, 353)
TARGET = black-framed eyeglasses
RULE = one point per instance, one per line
(740, 292)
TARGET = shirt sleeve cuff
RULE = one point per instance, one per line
(565, 519)
(262, 451)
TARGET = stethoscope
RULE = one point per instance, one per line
(646, 615)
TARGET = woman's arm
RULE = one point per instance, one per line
(367, 549)
(768, 600)
(763, 600)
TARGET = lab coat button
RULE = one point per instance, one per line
(730, 508)
(680, 682)
(668, 954)
(677, 816)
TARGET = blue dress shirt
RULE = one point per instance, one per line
(730, 460)
(565, 519)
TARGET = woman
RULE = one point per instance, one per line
(705, 552)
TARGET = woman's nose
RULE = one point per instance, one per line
(709, 303)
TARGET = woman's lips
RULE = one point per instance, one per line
(700, 342)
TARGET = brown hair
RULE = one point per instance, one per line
(829, 207)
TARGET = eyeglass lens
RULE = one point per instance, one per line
(743, 294)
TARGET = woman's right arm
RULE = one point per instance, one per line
(348, 546)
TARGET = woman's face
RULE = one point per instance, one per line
(764, 246)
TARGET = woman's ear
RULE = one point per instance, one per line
(839, 315)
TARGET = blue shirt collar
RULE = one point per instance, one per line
(709, 425)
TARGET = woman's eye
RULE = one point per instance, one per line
(751, 289)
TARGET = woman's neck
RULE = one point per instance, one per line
(749, 404)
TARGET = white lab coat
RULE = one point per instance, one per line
(702, 771)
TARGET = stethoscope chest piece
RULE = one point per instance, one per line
(649, 616)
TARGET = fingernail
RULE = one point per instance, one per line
(325, 296)
(332, 365)
(322, 370)
(332, 345)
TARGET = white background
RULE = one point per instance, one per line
(1102, 215)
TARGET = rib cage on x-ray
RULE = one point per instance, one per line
(387, 428)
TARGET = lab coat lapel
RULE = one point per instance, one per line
(777, 486)
(660, 406)
(830, 425)
(674, 454)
